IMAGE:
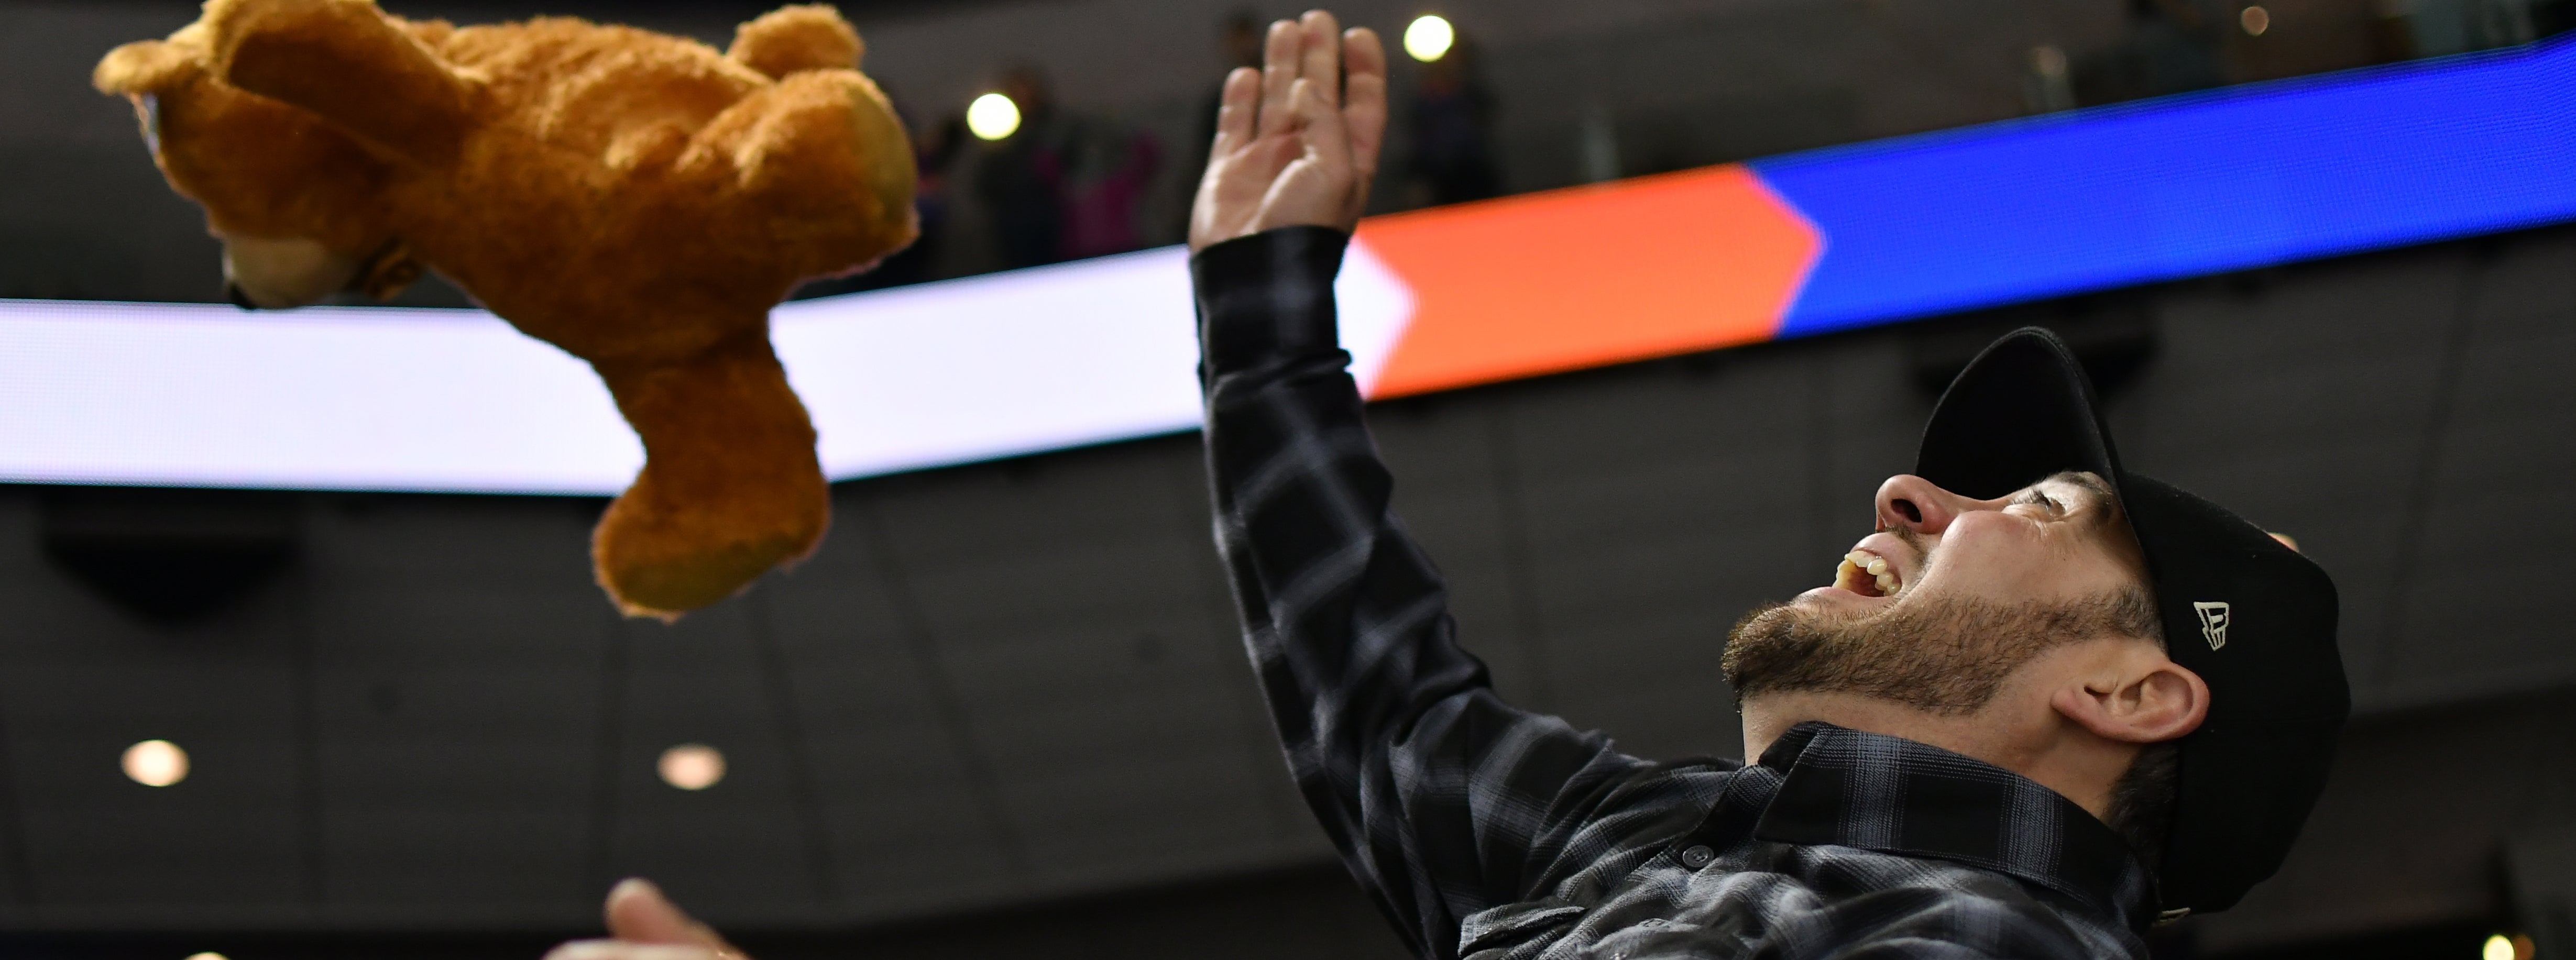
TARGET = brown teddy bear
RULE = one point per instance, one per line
(636, 199)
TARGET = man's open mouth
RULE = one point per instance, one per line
(1869, 575)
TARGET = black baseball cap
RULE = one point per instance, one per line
(2252, 617)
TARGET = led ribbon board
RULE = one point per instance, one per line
(1103, 350)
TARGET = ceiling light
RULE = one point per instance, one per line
(992, 116)
(692, 766)
(156, 763)
(1429, 37)
(2255, 20)
(2502, 947)
(208, 955)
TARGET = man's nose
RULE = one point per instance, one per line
(1914, 503)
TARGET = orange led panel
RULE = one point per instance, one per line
(1589, 276)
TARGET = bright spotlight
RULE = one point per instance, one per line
(693, 766)
(2255, 20)
(2502, 947)
(1429, 37)
(156, 763)
(208, 955)
(992, 116)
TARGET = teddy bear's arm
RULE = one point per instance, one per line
(346, 61)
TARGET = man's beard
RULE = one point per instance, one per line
(1946, 655)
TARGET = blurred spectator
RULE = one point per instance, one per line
(1451, 122)
(1021, 181)
(2178, 43)
(2173, 46)
(1104, 189)
(2457, 26)
(2047, 87)
(1063, 186)
(2392, 31)
(1240, 42)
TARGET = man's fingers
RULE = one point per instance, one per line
(1319, 124)
(1320, 57)
(648, 927)
(626, 950)
(1235, 110)
(1364, 102)
(639, 913)
(1278, 76)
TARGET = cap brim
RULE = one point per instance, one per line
(2021, 411)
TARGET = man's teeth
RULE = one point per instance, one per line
(1877, 568)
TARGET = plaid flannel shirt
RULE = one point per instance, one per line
(1485, 831)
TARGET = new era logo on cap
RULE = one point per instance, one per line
(2213, 622)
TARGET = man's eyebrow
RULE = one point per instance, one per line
(2089, 483)
(2100, 489)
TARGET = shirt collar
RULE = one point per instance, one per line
(1877, 792)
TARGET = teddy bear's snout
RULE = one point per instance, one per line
(265, 274)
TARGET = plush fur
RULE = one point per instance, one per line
(637, 199)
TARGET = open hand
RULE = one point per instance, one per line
(1297, 140)
(648, 927)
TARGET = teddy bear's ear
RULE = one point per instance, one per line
(145, 67)
(794, 39)
(348, 62)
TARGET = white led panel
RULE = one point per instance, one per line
(353, 398)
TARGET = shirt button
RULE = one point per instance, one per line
(1697, 857)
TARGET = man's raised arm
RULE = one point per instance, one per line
(1442, 799)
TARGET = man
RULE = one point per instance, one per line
(2046, 702)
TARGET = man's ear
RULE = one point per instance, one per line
(349, 63)
(2140, 696)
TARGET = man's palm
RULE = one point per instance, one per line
(1297, 141)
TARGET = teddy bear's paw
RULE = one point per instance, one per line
(657, 559)
(668, 587)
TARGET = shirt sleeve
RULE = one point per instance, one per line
(1442, 799)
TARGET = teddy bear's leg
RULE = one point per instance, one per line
(730, 486)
